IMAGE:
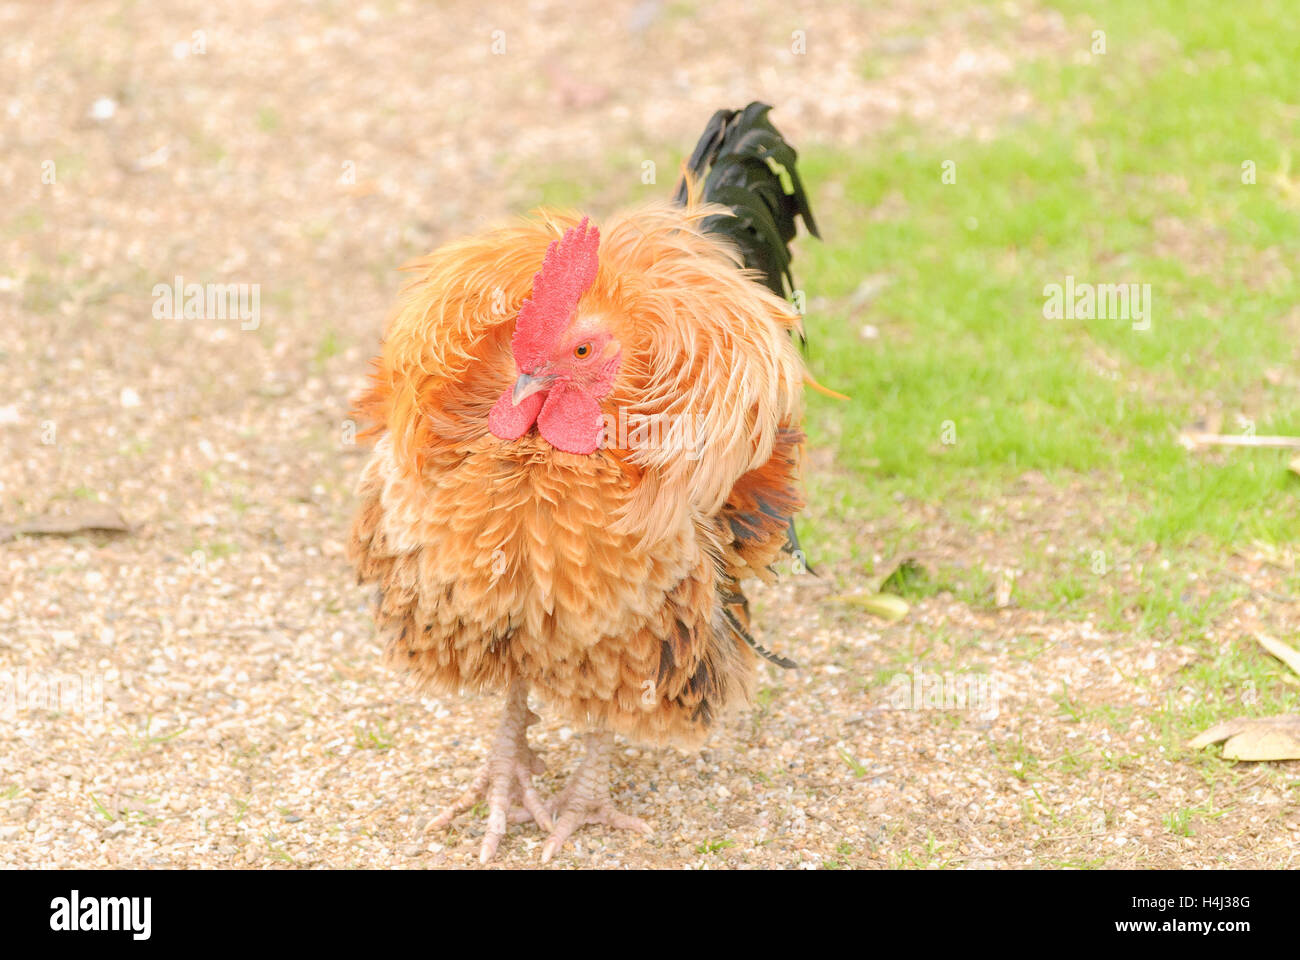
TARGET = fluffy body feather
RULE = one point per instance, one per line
(608, 582)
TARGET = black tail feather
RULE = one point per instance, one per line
(743, 162)
(739, 629)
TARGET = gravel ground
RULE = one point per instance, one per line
(234, 710)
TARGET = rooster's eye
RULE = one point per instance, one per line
(582, 351)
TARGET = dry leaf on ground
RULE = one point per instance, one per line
(90, 518)
(1288, 655)
(1254, 738)
(883, 605)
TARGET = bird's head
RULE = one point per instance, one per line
(565, 353)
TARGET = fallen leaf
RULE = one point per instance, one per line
(1261, 744)
(1254, 738)
(883, 605)
(1220, 731)
(1288, 655)
(90, 518)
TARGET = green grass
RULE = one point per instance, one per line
(372, 739)
(1130, 173)
(714, 846)
(1128, 169)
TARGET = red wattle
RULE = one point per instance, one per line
(570, 420)
(510, 422)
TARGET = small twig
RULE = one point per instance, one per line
(1193, 440)
(1071, 836)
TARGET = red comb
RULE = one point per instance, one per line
(567, 273)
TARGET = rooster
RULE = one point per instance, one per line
(588, 437)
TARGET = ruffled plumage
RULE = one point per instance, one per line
(608, 581)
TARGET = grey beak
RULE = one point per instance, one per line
(527, 385)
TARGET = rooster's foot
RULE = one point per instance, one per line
(506, 778)
(585, 798)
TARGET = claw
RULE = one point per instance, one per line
(605, 815)
(505, 779)
(585, 799)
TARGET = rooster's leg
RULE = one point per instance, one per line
(506, 777)
(585, 798)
